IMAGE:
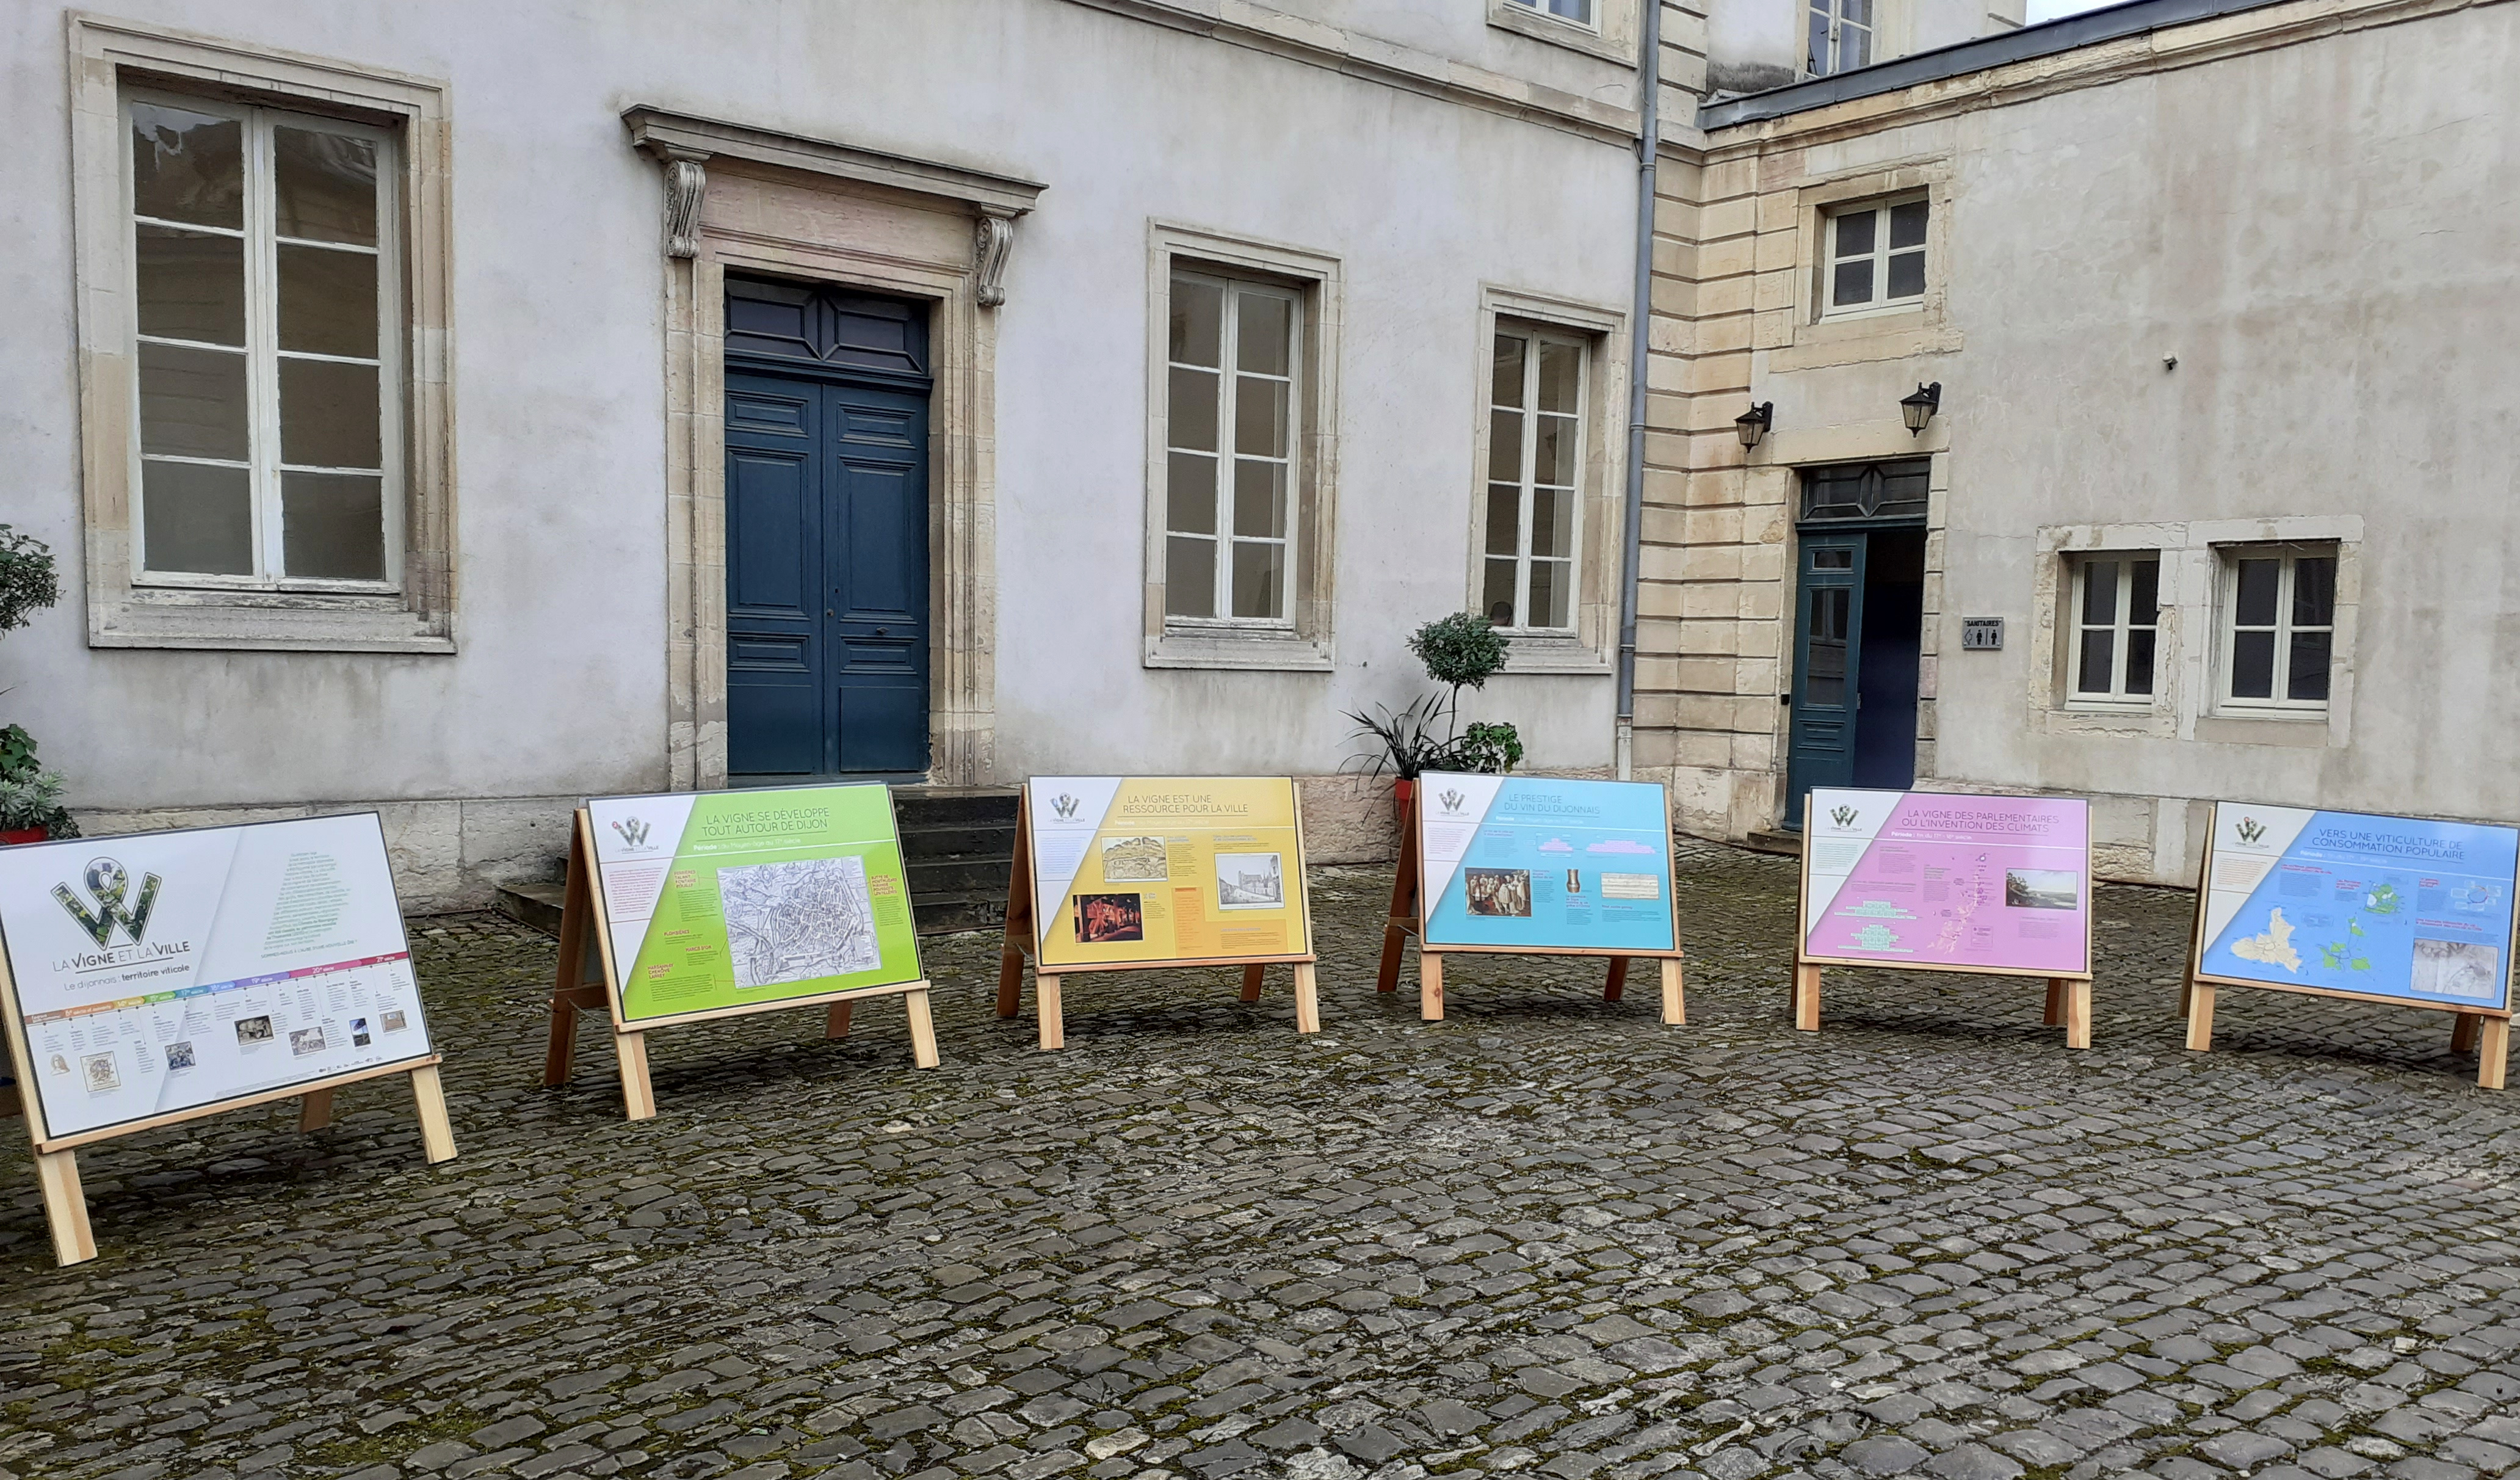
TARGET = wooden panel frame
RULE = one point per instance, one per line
(574, 991)
(1411, 905)
(2486, 1031)
(2069, 994)
(1023, 942)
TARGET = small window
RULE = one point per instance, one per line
(1875, 256)
(1579, 12)
(265, 285)
(1231, 434)
(2117, 619)
(1535, 456)
(2279, 618)
(1868, 490)
(1840, 35)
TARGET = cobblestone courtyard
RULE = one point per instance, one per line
(1547, 1236)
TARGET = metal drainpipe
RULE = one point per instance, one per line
(1639, 359)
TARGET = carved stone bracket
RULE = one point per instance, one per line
(686, 184)
(993, 238)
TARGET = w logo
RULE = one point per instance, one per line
(633, 831)
(107, 884)
(1451, 802)
(1844, 817)
(1064, 805)
(2250, 830)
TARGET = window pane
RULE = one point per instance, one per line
(333, 525)
(2314, 590)
(324, 185)
(329, 414)
(2253, 665)
(2092, 675)
(1260, 498)
(1816, 51)
(2256, 604)
(2099, 594)
(1198, 314)
(328, 301)
(1256, 568)
(1499, 594)
(1189, 493)
(187, 167)
(1190, 576)
(1854, 282)
(1262, 334)
(1572, 10)
(191, 402)
(2143, 603)
(1190, 409)
(1505, 376)
(1856, 12)
(1855, 234)
(1554, 459)
(1260, 415)
(1907, 275)
(2307, 675)
(1561, 374)
(1505, 519)
(191, 285)
(2139, 665)
(196, 520)
(1908, 225)
(1547, 594)
(1553, 524)
(1504, 446)
(1825, 679)
(1854, 46)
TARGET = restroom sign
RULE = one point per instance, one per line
(1981, 634)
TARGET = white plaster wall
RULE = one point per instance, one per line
(559, 685)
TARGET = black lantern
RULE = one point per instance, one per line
(1753, 424)
(1918, 409)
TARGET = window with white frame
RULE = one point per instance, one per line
(2117, 619)
(1579, 12)
(1874, 257)
(265, 281)
(2277, 610)
(1231, 440)
(1536, 397)
(1840, 35)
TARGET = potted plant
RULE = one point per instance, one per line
(1463, 650)
(30, 796)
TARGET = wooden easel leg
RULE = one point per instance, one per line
(64, 1206)
(2200, 1016)
(314, 1110)
(2078, 1012)
(429, 1098)
(1251, 977)
(559, 1060)
(2463, 1031)
(2493, 1052)
(2056, 1003)
(1395, 939)
(1010, 981)
(1675, 1002)
(638, 1092)
(576, 905)
(835, 1022)
(1045, 1006)
(2187, 995)
(1308, 998)
(1615, 985)
(1430, 985)
(923, 1027)
(1807, 996)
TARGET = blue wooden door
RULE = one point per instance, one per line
(827, 576)
(1828, 658)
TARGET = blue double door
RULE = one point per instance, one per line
(827, 535)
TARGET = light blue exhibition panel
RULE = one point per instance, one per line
(1516, 863)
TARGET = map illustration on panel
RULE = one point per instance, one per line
(798, 921)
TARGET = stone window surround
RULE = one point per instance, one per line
(1810, 337)
(121, 613)
(1305, 644)
(1589, 647)
(2184, 678)
(880, 223)
(1612, 35)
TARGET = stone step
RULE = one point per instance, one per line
(535, 905)
(1775, 841)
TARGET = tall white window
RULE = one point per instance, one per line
(264, 280)
(1231, 436)
(1535, 449)
(2278, 620)
(1578, 11)
(1876, 257)
(1840, 35)
(2117, 618)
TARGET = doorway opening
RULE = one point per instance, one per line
(1859, 625)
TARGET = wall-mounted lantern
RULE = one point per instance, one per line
(1753, 424)
(1918, 409)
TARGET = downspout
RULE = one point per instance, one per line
(1639, 360)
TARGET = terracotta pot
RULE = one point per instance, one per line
(1402, 790)
(24, 835)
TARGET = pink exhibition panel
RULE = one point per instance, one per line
(1943, 880)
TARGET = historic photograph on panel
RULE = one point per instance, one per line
(253, 1030)
(799, 920)
(103, 1075)
(1498, 891)
(179, 1056)
(1133, 861)
(1250, 882)
(2040, 888)
(305, 1040)
(2468, 969)
(1103, 917)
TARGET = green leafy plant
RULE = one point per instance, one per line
(29, 581)
(30, 796)
(1460, 652)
